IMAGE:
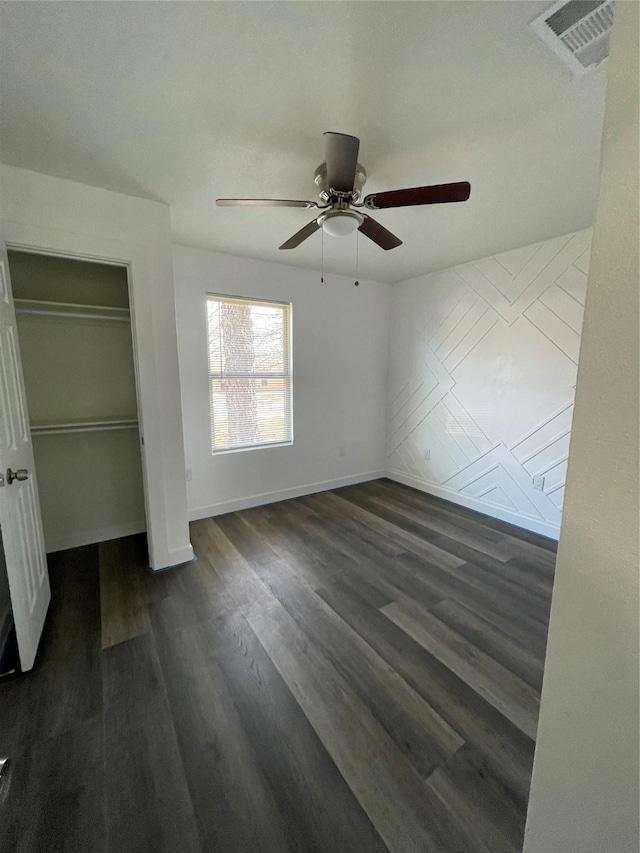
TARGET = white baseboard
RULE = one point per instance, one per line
(90, 537)
(281, 495)
(544, 528)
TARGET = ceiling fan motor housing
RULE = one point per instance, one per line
(320, 180)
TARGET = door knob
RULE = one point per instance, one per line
(20, 474)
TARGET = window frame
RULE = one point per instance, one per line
(287, 376)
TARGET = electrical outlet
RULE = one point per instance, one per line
(426, 455)
(341, 451)
(538, 483)
(188, 474)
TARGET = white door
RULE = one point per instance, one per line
(20, 518)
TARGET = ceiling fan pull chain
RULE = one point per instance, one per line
(357, 281)
(322, 258)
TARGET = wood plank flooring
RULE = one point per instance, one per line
(353, 671)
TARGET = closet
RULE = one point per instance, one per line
(74, 328)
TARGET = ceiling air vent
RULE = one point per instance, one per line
(577, 32)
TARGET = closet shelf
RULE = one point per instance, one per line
(86, 425)
(70, 310)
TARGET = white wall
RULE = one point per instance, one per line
(482, 372)
(64, 217)
(584, 796)
(340, 338)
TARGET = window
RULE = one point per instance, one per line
(250, 373)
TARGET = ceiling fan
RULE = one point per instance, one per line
(340, 180)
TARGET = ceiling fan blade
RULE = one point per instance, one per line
(438, 194)
(301, 235)
(264, 202)
(379, 234)
(341, 157)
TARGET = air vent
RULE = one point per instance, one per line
(577, 32)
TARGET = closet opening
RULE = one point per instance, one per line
(78, 359)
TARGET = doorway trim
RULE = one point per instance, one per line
(44, 240)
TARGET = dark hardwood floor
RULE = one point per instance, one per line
(357, 670)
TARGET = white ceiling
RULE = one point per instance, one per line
(183, 102)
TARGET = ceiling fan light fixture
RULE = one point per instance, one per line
(340, 223)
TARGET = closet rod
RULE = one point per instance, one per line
(83, 426)
(71, 310)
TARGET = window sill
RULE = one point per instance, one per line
(274, 446)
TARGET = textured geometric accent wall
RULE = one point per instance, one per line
(482, 374)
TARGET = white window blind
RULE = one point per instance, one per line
(250, 373)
